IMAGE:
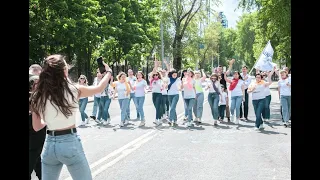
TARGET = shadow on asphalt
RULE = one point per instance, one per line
(243, 125)
(221, 127)
(270, 132)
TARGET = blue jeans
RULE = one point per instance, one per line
(156, 99)
(164, 104)
(82, 106)
(213, 99)
(259, 107)
(266, 112)
(222, 110)
(173, 101)
(185, 105)
(190, 104)
(96, 103)
(104, 105)
(286, 107)
(198, 105)
(235, 105)
(132, 96)
(123, 108)
(65, 149)
(140, 102)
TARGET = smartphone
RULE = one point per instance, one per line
(101, 67)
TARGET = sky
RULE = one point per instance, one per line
(229, 8)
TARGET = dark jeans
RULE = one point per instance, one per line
(259, 106)
(156, 99)
(245, 104)
(222, 109)
(190, 104)
(104, 105)
(36, 140)
(164, 104)
(266, 112)
(213, 99)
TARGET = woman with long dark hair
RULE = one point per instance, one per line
(183, 74)
(156, 88)
(83, 101)
(173, 95)
(215, 94)
(54, 103)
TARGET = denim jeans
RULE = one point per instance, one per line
(164, 104)
(222, 109)
(140, 102)
(190, 104)
(64, 150)
(198, 105)
(259, 107)
(133, 97)
(123, 108)
(286, 107)
(96, 104)
(185, 105)
(235, 105)
(173, 101)
(245, 104)
(156, 99)
(266, 112)
(82, 106)
(104, 105)
(213, 99)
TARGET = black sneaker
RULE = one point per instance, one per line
(93, 117)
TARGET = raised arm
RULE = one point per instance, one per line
(269, 77)
(154, 70)
(168, 66)
(203, 75)
(86, 91)
(228, 71)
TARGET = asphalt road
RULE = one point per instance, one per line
(205, 152)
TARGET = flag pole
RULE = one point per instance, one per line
(259, 57)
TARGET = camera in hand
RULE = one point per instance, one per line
(101, 67)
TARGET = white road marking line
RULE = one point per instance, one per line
(123, 155)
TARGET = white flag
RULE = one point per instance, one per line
(264, 63)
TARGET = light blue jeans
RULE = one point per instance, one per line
(185, 105)
(133, 97)
(123, 108)
(104, 105)
(173, 101)
(286, 107)
(96, 103)
(140, 102)
(198, 105)
(190, 104)
(82, 107)
(235, 105)
(64, 150)
(213, 99)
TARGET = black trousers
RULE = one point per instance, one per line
(36, 140)
(245, 104)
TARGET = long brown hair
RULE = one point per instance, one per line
(53, 85)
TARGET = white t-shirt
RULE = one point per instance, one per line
(284, 89)
(165, 80)
(132, 81)
(174, 89)
(259, 91)
(246, 82)
(156, 86)
(95, 83)
(222, 100)
(139, 88)
(189, 93)
(237, 91)
(211, 89)
(267, 90)
(121, 89)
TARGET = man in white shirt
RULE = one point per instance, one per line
(132, 80)
(247, 81)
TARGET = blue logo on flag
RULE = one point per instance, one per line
(267, 54)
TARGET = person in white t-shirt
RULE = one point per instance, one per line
(189, 95)
(223, 103)
(164, 98)
(83, 101)
(96, 100)
(284, 89)
(156, 86)
(258, 88)
(131, 79)
(237, 91)
(139, 89)
(214, 96)
(198, 105)
(173, 95)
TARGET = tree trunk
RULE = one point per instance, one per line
(177, 52)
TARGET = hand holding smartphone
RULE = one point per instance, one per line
(101, 66)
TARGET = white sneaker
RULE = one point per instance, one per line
(87, 121)
(126, 122)
(104, 122)
(159, 121)
(108, 121)
(261, 126)
(256, 129)
(199, 120)
(142, 123)
(185, 118)
(121, 124)
(189, 124)
(97, 121)
(83, 123)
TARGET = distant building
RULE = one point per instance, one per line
(223, 20)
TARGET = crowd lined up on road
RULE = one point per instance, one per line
(54, 101)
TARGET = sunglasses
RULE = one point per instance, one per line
(82, 78)
(155, 75)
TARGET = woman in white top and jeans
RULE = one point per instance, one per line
(257, 88)
(97, 96)
(237, 91)
(139, 90)
(54, 103)
(189, 95)
(284, 89)
(214, 96)
(198, 105)
(83, 101)
(156, 88)
(173, 96)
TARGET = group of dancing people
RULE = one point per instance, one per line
(55, 100)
